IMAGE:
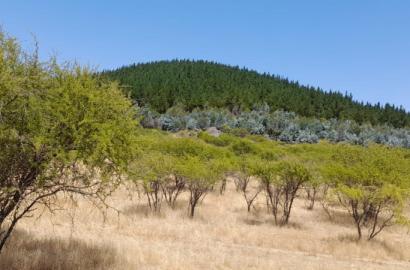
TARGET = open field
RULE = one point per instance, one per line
(221, 236)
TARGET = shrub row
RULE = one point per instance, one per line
(279, 125)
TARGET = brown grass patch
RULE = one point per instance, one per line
(222, 235)
(23, 252)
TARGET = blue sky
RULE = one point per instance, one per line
(362, 47)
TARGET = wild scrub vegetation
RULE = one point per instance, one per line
(66, 131)
(278, 125)
(371, 183)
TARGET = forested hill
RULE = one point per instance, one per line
(195, 84)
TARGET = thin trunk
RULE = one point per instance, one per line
(195, 196)
(223, 187)
(6, 235)
(192, 211)
(359, 231)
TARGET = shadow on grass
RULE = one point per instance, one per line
(338, 216)
(257, 220)
(143, 210)
(378, 248)
(23, 252)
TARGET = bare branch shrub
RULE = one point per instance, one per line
(281, 183)
(172, 187)
(152, 190)
(197, 191)
(250, 194)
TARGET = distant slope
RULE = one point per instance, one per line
(195, 84)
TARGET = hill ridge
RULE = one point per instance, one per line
(201, 83)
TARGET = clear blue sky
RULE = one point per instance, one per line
(362, 47)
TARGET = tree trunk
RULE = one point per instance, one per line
(192, 210)
(359, 231)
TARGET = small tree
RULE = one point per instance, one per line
(372, 184)
(156, 170)
(150, 171)
(174, 183)
(199, 177)
(281, 182)
(311, 194)
(198, 164)
(314, 186)
(172, 188)
(152, 189)
(61, 130)
(243, 149)
(244, 180)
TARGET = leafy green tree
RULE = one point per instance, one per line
(156, 168)
(314, 158)
(62, 129)
(152, 171)
(244, 180)
(203, 167)
(174, 183)
(372, 184)
(192, 164)
(200, 179)
(281, 182)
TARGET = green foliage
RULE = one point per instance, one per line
(244, 147)
(370, 166)
(373, 184)
(60, 128)
(367, 176)
(200, 84)
(278, 125)
(222, 140)
(198, 172)
(281, 182)
(239, 132)
(171, 164)
(293, 171)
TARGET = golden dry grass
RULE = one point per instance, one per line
(25, 252)
(221, 236)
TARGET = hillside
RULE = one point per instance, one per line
(199, 84)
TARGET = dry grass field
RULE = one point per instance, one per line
(221, 236)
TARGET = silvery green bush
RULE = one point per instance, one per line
(279, 125)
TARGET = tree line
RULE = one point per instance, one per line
(203, 84)
(371, 184)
